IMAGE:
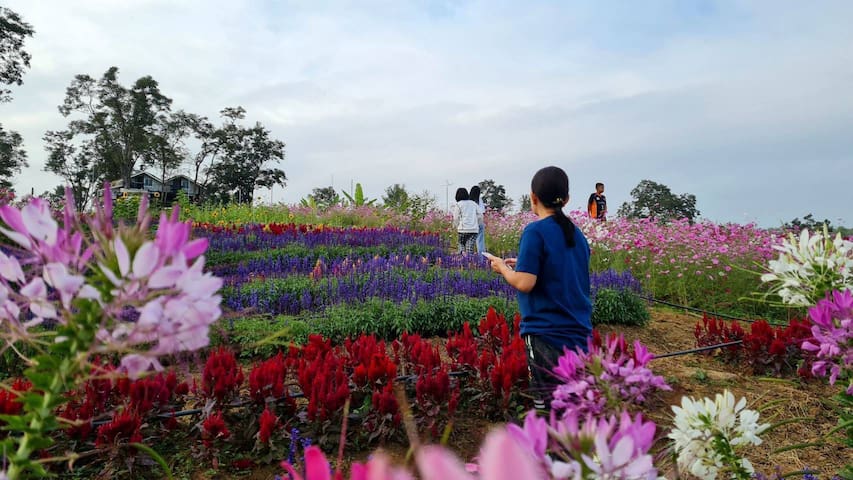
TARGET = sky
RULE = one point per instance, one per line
(746, 104)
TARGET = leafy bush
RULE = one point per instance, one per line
(619, 307)
(256, 337)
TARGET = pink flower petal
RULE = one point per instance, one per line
(123, 257)
(145, 260)
(437, 463)
(504, 459)
(316, 465)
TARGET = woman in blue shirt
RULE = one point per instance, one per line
(551, 275)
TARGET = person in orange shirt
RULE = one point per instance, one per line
(597, 205)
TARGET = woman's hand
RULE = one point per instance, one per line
(510, 262)
(498, 264)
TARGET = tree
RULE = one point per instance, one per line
(525, 203)
(494, 196)
(13, 157)
(13, 61)
(118, 123)
(325, 197)
(808, 222)
(396, 198)
(420, 204)
(247, 159)
(13, 58)
(166, 150)
(655, 200)
(76, 163)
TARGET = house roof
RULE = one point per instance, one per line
(180, 176)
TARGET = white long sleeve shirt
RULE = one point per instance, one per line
(466, 216)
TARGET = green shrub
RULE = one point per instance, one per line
(619, 307)
(259, 337)
(387, 319)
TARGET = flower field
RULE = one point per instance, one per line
(335, 333)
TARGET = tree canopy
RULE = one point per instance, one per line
(657, 201)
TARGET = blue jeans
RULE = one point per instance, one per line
(481, 239)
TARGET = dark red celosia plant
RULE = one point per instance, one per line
(462, 348)
(323, 380)
(9, 404)
(222, 375)
(267, 380)
(124, 426)
(268, 423)
(765, 348)
(213, 428)
(148, 393)
(369, 361)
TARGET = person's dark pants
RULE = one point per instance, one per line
(467, 243)
(541, 359)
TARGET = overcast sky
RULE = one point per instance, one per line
(748, 105)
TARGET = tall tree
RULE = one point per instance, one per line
(76, 163)
(396, 198)
(13, 58)
(494, 196)
(247, 159)
(325, 197)
(13, 61)
(117, 123)
(166, 150)
(655, 200)
(13, 157)
(525, 203)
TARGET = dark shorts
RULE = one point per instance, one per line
(541, 359)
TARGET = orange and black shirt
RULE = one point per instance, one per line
(597, 205)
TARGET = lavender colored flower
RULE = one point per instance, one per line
(833, 337)
(604, 378)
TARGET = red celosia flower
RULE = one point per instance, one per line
(266, 380)
(124, 426)
(268, 423)
(213, 428)
(222, 375)
(9, 404)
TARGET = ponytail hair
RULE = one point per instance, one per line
(551, 186)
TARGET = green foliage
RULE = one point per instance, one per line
(357, 199)
(524, 203)
(494, 196)
(619, 307)
(248, 159)
(13, 58)
(324, 197)
(260, 337)
(388, 319)
(13, 157)
(326, 252)
(396, 198)
(115, 122)
(126, 208)
(808, 223)
(13, 61)
(655, 200)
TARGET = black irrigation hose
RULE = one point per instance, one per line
(698, 350)
(705, 312)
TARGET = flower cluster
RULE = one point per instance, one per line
(605, 378)
(811, 266)
(616, 447)
(764, 348)
(832, 341)
(149, 292)
(708, 432)
(222, 376)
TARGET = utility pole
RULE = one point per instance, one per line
(447, 184)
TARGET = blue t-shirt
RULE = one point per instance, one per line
(558, 308)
